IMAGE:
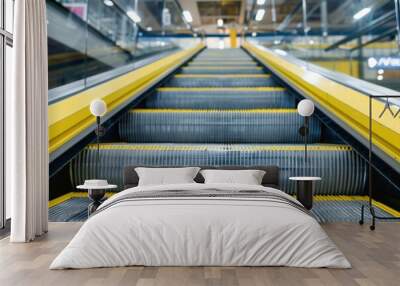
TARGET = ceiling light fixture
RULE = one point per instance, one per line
(187, 16)
(134, 16)
(280, 52)
(363, 12)
(260, 14)
(260, 2)
(108, 3)
(220, 22)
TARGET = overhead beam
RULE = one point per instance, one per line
(324, 17)
(365, 29)
(341, 13)
(378, 38)
(288, 19)
(242, 12)
(285, 23)
(313, 10)
(192, 7)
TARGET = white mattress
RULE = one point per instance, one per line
(200, 231)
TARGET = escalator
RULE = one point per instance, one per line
(224, 109)
(81, 44)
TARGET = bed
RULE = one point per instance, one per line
(198, 224)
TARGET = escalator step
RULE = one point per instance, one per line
(223, 58)
(222, 63)
(225, 80)
(342, 170)
(220, 98)
(215, 126)
(222, 70)
(220, 58)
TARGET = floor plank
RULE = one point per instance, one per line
(375, 257)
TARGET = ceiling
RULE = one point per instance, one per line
(206, 13)
(289, 14)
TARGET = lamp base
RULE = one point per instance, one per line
(97, 197)
(100, 131)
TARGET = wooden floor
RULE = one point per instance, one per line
(375, 257)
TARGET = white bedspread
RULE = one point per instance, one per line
(200, 231)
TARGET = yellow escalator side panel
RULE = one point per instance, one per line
(346, 67)
(71, 116)
(349, 105)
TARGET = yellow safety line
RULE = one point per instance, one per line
(84, 194)
(386, 208)
(223, 68)
(325, 147)
(219, 63)
(59, 200)
(382, 206)
(186, 110)
(71, 195)
(347, 104)
(219, 66)
(71, 116)
(222, 59)
(228, 62)
(222, 76)
(184, 89)
(237, 57)
(204, 147)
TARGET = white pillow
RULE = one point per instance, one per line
(166, 176)
(248, 177)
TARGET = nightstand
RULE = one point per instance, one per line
(96, 192)
(304, 190)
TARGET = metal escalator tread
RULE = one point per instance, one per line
(342, 169)
(221, 70)
(215, 126)
(236, 75)
(221, 80)
(219, 63)
(220, 98)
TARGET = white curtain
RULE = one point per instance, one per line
(26, 124)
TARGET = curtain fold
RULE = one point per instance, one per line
(26, 120)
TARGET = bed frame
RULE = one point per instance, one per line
(271, 177)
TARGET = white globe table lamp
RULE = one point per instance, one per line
(97, 188)
(306, 109)
(98, 108)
